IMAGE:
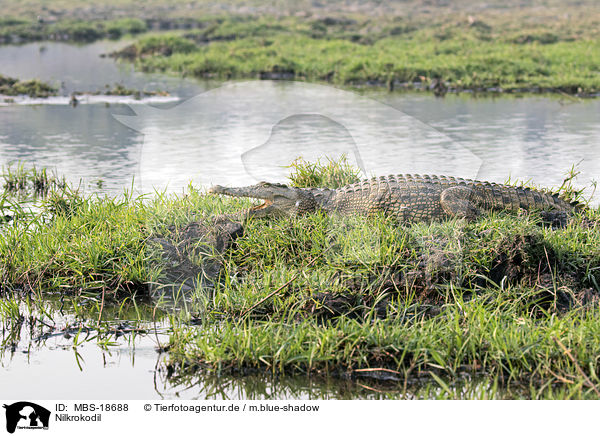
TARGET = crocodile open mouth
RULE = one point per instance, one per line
(266, 204)
(263, 203)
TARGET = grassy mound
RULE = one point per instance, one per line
(504, 299)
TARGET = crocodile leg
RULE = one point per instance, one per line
(460, 202)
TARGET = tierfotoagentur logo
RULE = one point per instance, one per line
(26, 415)
(246, 132)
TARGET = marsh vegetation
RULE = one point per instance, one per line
(449, 47)
(503, 299)
(32, 88)
(456, 54)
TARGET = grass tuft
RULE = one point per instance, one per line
(332, 174)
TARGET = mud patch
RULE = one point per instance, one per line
(324, 305)
(527, 261)
(191, 256)
(522, 257)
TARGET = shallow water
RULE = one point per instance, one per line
(55, 370)
(56, 355)
(248, 131)
(51, 360)
(238, 134)
(83, 68)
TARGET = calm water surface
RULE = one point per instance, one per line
(245, 132)
(238, 134)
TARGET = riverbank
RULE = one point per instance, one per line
(31, 91)
(504, 299)
(20, 30)
(502, 48)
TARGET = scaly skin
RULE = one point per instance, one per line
(408, 198)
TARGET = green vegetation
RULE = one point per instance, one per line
(38, 89)
(124, 26)
(547, 46)
(503, 307)
(72, 30)
(497, 298)
(155, 45)
(73, 247)
(460, 59)
(27, 182)
(120, 89)
(333, 174)
(76, 244)
(32, 88)
(522, 356)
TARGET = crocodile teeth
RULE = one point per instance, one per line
(262, 206)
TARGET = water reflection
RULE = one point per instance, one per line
(265, 386)
(55, 349)
(83, 143)
(84, 68)
(531, 138)
(243, 132)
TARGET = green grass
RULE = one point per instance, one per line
(32, 88)
(504, 48)
(422, 302)
(14, 30)
(73, 243)
(469, 338)
(444, 310)
(332, 174)
(83, 248)
(461, 61)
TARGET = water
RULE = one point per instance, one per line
(51, 360)
(529, 138)
(85, 143)
(245, 132)
(53, 369)
(81, 68)
(238, 134)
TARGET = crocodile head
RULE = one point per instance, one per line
(278, 199)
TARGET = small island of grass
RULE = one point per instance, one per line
(501, 307)
(32, 88)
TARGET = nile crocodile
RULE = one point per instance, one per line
(407, 198)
